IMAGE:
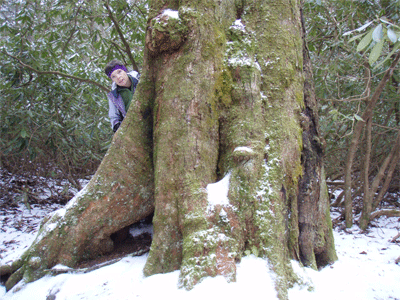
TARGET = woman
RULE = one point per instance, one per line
(122, 90)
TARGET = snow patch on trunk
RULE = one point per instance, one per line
(171, 13)
(217, 193)
(243, 149)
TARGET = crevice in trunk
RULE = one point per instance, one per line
(134, 239)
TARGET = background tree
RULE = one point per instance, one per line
(354, 48)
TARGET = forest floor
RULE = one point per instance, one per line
(368, 265)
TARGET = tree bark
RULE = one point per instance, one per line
(315, 242)
(230, 108)
(368, 196)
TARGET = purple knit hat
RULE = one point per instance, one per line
(116, 67)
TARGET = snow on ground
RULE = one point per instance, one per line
(18, 229)
(366, 269)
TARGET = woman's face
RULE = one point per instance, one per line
(120, 77)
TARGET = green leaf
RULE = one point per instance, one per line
(23, 133)
(358, 118)
(356, 37)
(376, 52)
(367, 39)
(395, 48)
(333, 112)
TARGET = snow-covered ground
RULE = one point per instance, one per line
(366, 269)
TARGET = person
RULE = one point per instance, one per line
(122, 89)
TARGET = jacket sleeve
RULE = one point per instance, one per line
(113, 113)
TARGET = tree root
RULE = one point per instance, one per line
(7, 270)
(57, 271)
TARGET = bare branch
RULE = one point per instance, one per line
(57, 73)
(121, 35)
(386, 127)
(73, 30)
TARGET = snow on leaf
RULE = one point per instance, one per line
(384, 20)
(377, 34)
(392, 36)
(364, 26)
(358, 29)
(223, 214)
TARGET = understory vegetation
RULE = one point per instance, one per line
(53, 105)
(354, 48)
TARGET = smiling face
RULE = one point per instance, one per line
(120, 77)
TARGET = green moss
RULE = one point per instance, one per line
(200, 259)
(223, 87)
(14, 278)
(300, 98)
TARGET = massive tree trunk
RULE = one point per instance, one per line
(220, 107)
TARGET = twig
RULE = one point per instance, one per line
(57, 73)
(121, 36)
(395, 238)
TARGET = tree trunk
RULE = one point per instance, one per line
(385, 171)
(225, 84)
(315, 225)
(368, 195)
